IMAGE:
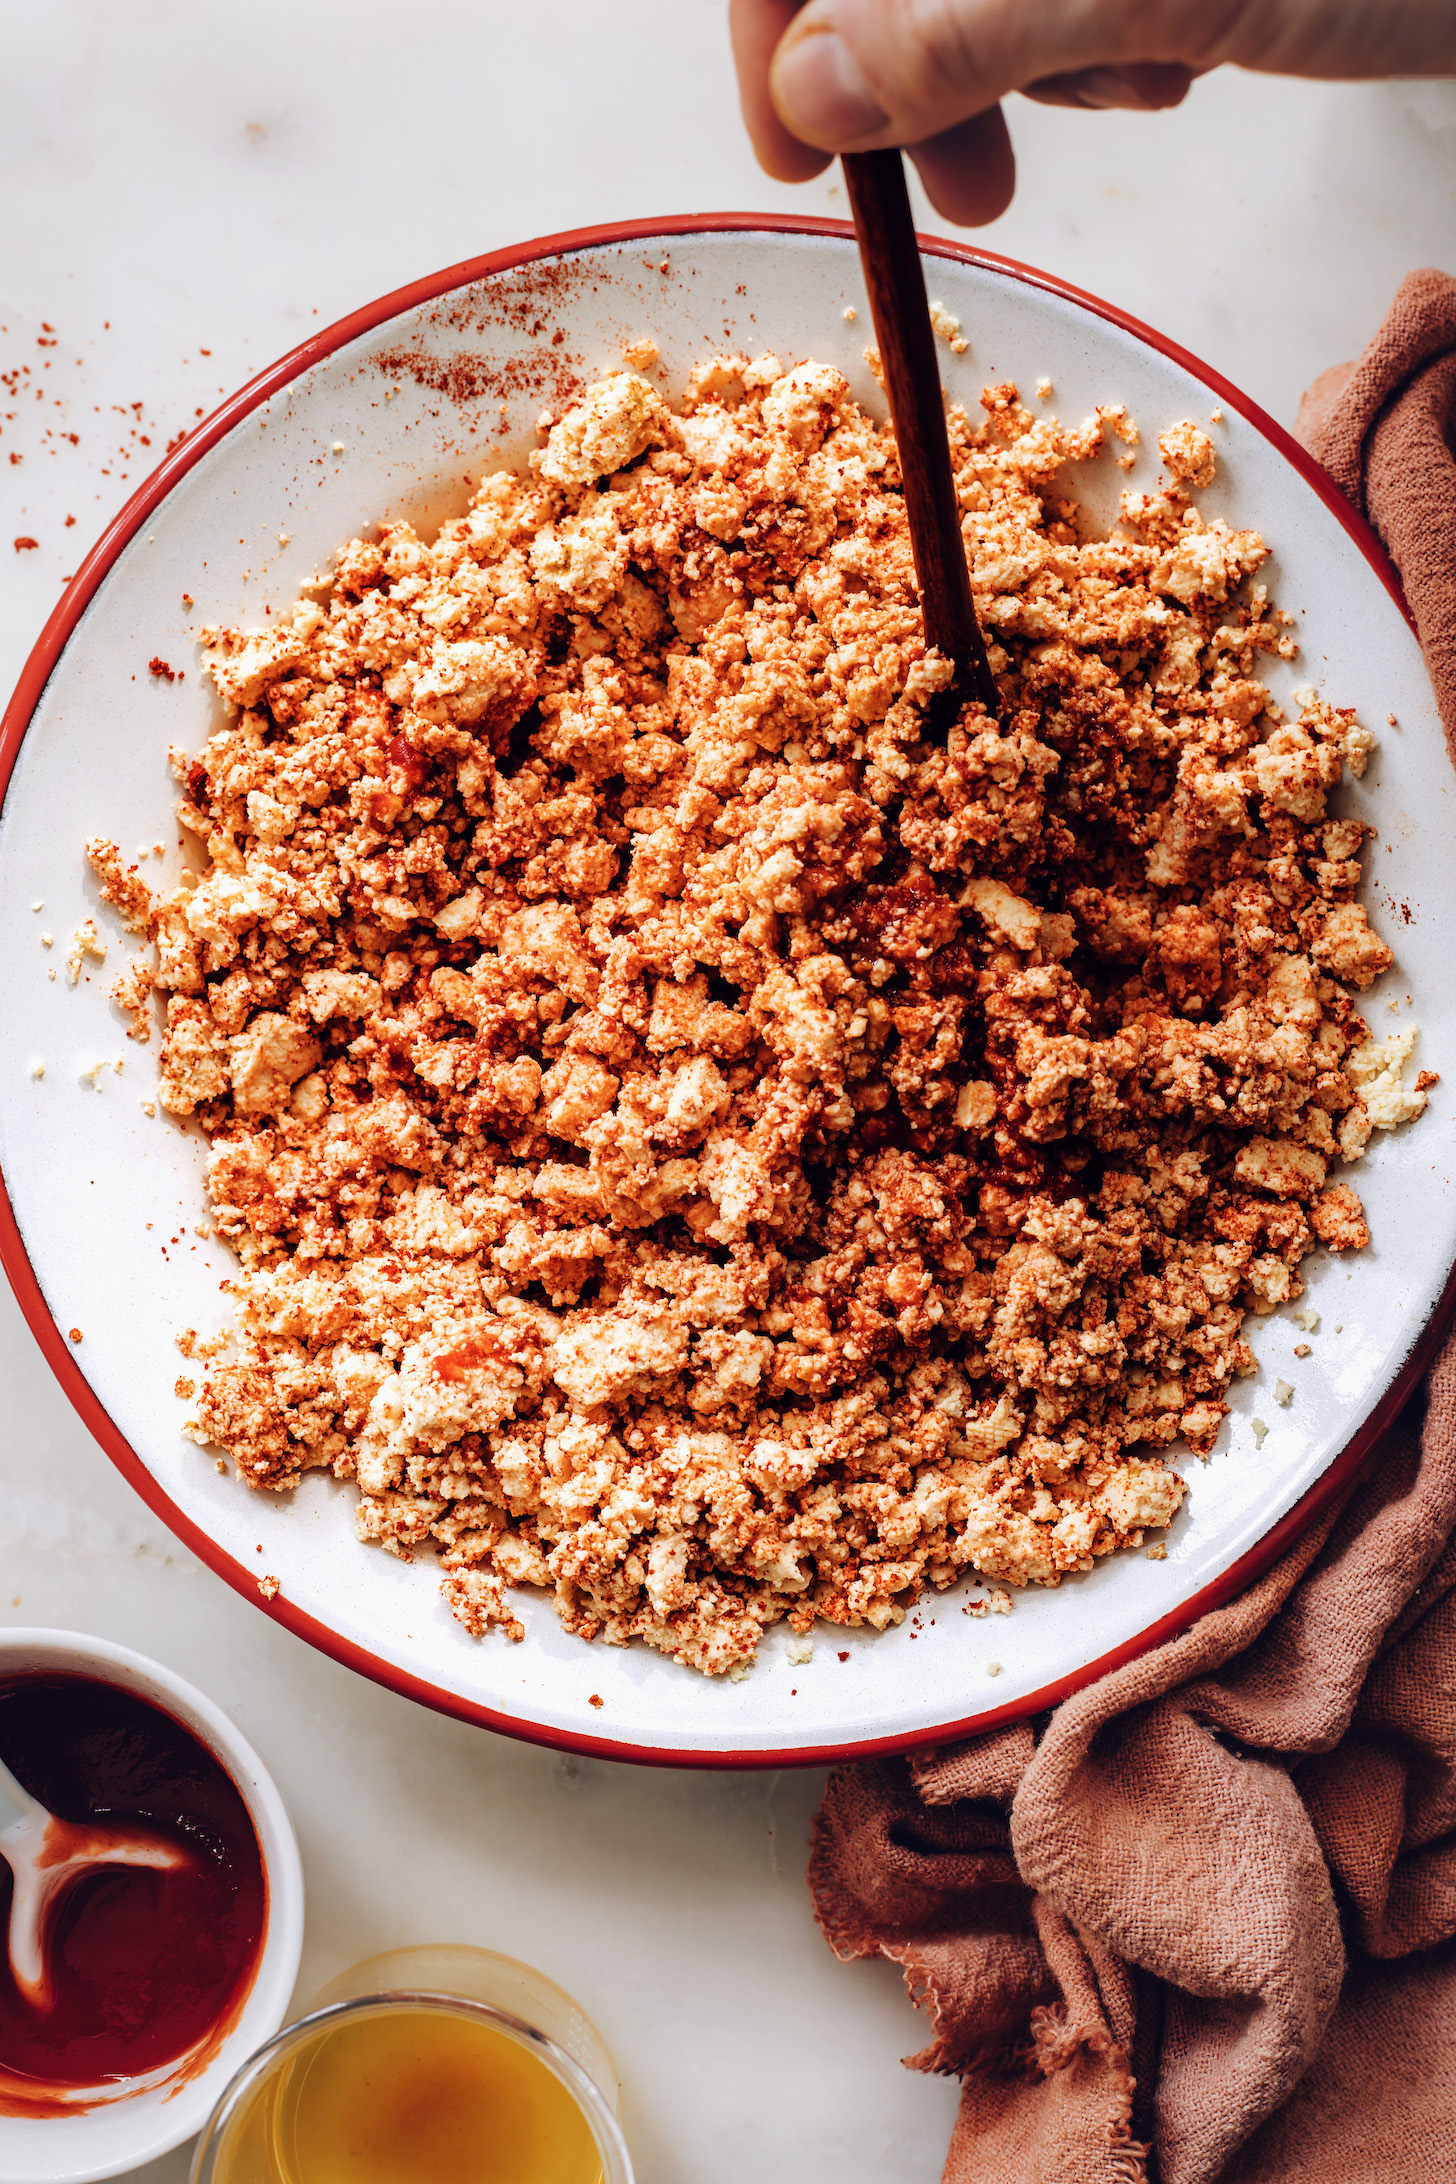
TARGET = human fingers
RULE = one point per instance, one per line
(756, 26)
(969, 172)
(1144, 87)
(854, 75)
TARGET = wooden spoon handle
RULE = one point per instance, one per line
(890, 255)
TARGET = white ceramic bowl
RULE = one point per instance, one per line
(118, 2136)
(261, 497)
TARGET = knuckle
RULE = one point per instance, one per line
(921, 57)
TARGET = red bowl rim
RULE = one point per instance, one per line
(15, 1259)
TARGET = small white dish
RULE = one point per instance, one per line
(397, 411)
(120, 2133)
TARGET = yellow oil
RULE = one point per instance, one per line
(422, 2097)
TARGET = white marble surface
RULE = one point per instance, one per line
(190, 185)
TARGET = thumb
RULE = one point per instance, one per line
(856, 75)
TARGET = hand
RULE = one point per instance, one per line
(856, 75)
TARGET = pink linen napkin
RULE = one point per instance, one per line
(1198, 1925)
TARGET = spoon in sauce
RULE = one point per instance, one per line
(46, 1856)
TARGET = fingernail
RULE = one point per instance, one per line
(1105, 89)
(820, 92)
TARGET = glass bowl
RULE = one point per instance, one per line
(254, 2133)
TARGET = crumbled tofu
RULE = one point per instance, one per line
(268, 1587)
(132, 994)
(700, 1135)
(799, 1652)
(975, 1107)
(949, 329)
(1283, 1393)
(1376, 1070)
(266, 1061)
(1338, 1219)
(614, 423)
(85, 941)
(1189, 454)
(1260, 1431)
(121, 886)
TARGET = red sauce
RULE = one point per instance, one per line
(145, 1963)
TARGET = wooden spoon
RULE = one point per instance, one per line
(890, 255)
